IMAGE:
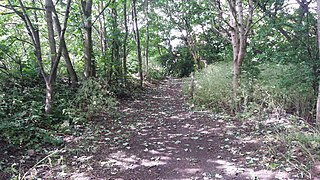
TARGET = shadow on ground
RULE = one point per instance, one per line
(157, 137)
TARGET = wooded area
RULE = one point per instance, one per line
(66, 64)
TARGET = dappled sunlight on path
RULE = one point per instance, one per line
(159, 138)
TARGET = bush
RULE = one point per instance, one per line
(23, 122)
(278, 86)
(268, 87)
(155, 72)
(213, 87)
(92, 98)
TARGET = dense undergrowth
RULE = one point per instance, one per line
(274, 87)
(25, 125)
(278, 95)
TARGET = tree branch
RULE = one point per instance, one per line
(105, 7)
(14, 6)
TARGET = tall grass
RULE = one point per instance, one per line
(213, 87)
(275, 86)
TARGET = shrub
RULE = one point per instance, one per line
(270, 86)
(23, 122)
(278, 86)
(92, 98)
(213, 87)
(155, 72)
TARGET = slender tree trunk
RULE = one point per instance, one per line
(49, 98)
(90, 70)
(52, 42)
(53, 54)
(124, 60)
(103, 40)
(235, 49)
(191, 44)
(71, 70)
(147, 36)
(115, 42)
(65, 53)
(318, 99)
(138, 43)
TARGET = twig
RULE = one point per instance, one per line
(43, 159)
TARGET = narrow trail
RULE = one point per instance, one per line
(159, 138)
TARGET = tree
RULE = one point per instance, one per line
(318, 99)
(185, 16)
(125, 22)
(35, 37)
(137, 36)
(240, 27)
(90, 66)
(147, 35)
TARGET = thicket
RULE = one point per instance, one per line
(24, 123)
(270, 87)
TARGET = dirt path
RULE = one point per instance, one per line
(157, 137)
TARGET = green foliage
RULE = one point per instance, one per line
(23, 122)
(279, 86)
(184, 64)
(129, 88)
(264, 88)
(155, 72)
(213, 87)
(93, 98)
(180, 64)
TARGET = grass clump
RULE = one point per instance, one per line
(213, 88)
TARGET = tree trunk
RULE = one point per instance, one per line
(116, 62)
(53, 54)
(90, 70)
(71, 71)
(65, 53)
(235, 82)
(147, 36)
(318, 99)
(52, 43)
(124, 60)
(49, 98)
(235, 48)
(138, 43)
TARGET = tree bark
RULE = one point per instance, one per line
(124, 60)
(53, 54)
(52, 43)
(235, 49)
(147, 36)
(49, 98)
(138, 43)
(116, 62)
(65, 53)
(90, 70)
(318, 99)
